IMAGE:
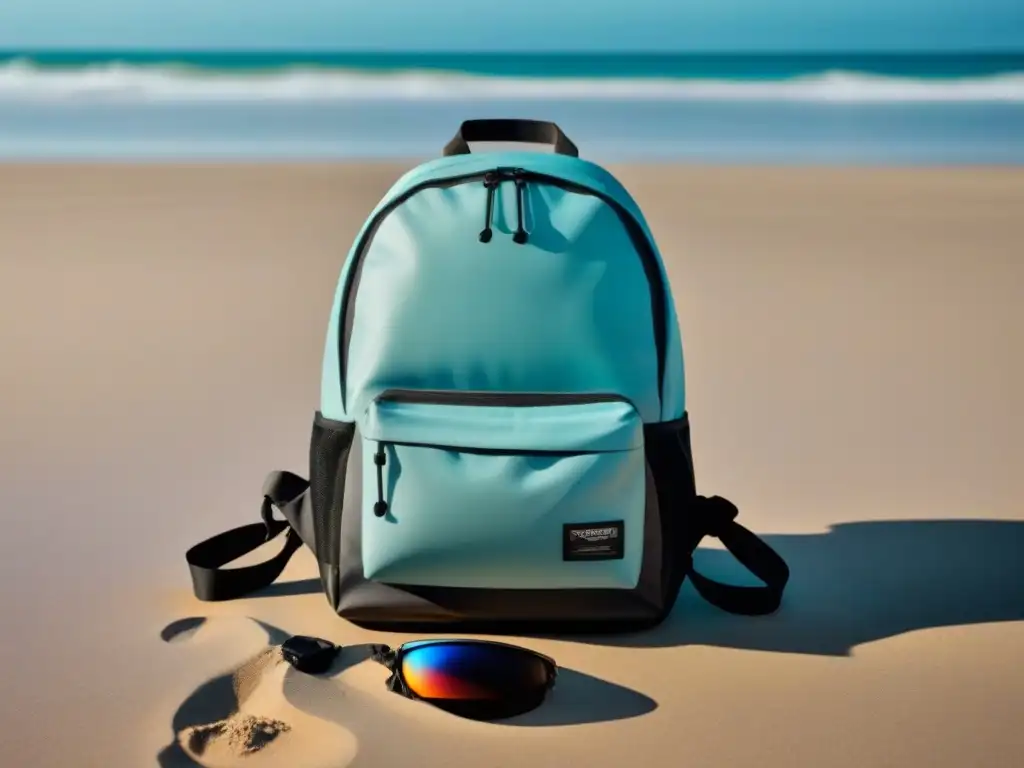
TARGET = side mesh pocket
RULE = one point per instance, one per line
(329, 448)
(668, 453)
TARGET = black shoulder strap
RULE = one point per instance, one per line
(206, 560)
(717, 517)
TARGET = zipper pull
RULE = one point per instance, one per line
(520, 235)
(380, 459)
(491, 181)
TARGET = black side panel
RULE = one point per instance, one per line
(329, 449)
(667, 445)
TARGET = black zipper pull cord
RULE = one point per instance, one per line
(520, 235)
(490, 184)
(380, 459)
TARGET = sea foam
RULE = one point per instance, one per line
(20, 80)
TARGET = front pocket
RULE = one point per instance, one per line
(503, 491)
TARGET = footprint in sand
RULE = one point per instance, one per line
(243, 718)
(241, 735)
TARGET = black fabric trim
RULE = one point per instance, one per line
(329, 447)
(560, 626)
(508, 399)
(667, 446)
(506, 130)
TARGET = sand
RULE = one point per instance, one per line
(855, 364)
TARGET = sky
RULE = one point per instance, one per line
(481, 25)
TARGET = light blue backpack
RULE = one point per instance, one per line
(502, 443)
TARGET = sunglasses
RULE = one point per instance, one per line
(475, 679)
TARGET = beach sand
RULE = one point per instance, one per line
(854, 344)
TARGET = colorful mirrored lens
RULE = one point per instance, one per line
(466, 671)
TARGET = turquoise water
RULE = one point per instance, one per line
(790, 108)
(731, 66)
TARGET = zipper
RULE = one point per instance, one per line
(497, 399)
(518, 176)
(491, 180)
(472, 398)
(380, 458)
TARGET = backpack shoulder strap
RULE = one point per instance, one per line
(717, 517)
(211, 581)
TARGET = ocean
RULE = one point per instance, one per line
(908, 109)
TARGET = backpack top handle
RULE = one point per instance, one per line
(505, 130)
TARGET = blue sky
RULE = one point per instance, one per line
(514, 24)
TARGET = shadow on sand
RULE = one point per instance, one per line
(857, 583)
(578, 698)
(311, 586)
(214, 700)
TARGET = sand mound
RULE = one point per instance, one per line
(245, 731)
(248, 676)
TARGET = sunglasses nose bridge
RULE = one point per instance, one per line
(394, 683)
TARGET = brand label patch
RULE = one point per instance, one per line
(594, 541)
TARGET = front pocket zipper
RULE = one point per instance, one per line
(503, 490)
(380, 459)
(454, 397)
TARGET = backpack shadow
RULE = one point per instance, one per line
(859, 582)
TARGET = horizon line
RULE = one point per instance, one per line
(163, 50)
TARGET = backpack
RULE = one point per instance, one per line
(502, 444)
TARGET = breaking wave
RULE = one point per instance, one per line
(21, 80)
